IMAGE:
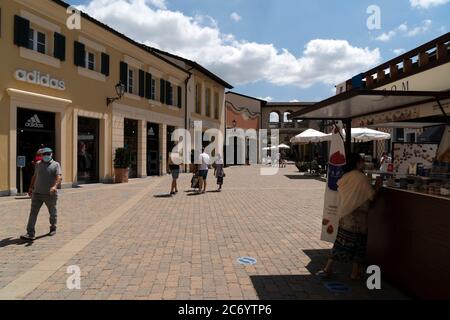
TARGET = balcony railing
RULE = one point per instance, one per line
(427, 56)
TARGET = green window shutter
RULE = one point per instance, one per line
(169, 100)
(162, 91)
(105, 64)
(59, 50)
(141, 83)
(148, 85)
(179, 97)
(124, 74)
(21, 31)
(79, 54)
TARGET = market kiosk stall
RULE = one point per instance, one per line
(409, 223)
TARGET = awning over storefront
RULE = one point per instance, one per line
(359, 103)
(406, 125)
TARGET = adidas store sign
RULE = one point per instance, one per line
(34, 122)
(44, 80)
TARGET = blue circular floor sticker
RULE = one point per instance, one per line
(246, 261)
(337, 287)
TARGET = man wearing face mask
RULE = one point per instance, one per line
(44, 189)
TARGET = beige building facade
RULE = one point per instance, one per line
(54, 84)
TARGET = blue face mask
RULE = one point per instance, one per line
(47, 158)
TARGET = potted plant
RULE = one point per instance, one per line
(302, 166)
(122, 163)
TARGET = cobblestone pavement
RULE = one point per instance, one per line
(133, 242)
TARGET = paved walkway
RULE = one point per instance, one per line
(133, 242)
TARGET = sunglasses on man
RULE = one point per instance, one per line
(47, 154)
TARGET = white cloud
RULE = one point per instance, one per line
(426, 24)
(235, 17)
(268, 98)
(404, 30)
(294, 100)
(328, 61)
(427, 3)
(399, 51)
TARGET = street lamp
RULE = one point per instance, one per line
(120, 91)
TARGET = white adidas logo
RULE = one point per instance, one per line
(34, 122)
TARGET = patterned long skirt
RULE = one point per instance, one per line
(349, 246)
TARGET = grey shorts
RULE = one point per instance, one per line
(175, 174)
(203, 174)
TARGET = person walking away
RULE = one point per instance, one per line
(203, 170)
(195, 181)
(174, 169)
(219, 172)
(44, 189)
(355, 194)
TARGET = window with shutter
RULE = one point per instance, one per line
(105, 64)
(179, 97)
(79, 54)
(130, 81)
(162, 91)
(21, 31)
(153, 94)
(90, 60)
(59, 50)
(37, 41)
(124, 74)
(148, 86)
(141, 83)
(208, 102)
(169, 93)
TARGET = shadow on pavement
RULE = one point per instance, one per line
(167, 195)
(302, 177)
(310, 286)
(19, 242)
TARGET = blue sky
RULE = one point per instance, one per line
(283, 49)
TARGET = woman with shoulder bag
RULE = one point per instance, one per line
(219, 172)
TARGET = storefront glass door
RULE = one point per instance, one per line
(131, 143)
(152, 149)
(88, 147)
(35, 129)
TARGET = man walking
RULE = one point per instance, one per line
(44, 189)
(203, 170)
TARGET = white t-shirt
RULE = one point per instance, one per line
(204, 160)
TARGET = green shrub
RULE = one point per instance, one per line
(122, 158)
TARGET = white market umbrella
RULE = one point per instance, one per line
(281, 146)
(367, 134)
(310, 136)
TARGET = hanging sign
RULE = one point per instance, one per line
(337, 161)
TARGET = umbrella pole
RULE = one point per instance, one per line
(348, 137)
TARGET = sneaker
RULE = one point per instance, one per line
(27, 237)
(52, 231)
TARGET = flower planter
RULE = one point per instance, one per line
(121, 175)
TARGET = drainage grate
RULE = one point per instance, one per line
(337, 287)
(246, 261)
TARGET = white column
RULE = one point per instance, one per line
(163, 148)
